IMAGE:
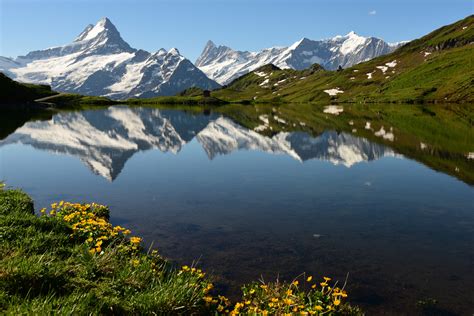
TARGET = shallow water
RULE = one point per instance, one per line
(201, 187)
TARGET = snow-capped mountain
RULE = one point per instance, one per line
(223, 64)
(104, 140)
(100, 62)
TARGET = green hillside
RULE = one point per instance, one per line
(436, 67)
(12, 91)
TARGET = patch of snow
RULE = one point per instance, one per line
(423, 146)
(369, 75)
(333, 92)
(264, 119)
(427, 54)
(367, 125)
(302, 124)
(352, 78)
(383, 68)
(382, 133)
(264, 82)
(260, 128)
(356, 70)
(279, 120)
(391, 64)
(333, 109)
(260, 74)
(351, 122)
(470, 155)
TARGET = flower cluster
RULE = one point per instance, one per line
(89, 222)
(219, 303)
(307, 298)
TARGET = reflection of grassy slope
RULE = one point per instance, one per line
(447, 131)
(177, 100)
(438, 66)
(12, 91)
(11, 120)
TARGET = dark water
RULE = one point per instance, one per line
(201, 187)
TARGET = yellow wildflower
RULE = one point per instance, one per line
(309, 279)
(238, 306)
(135, 240)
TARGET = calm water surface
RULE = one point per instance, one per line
(201, 187)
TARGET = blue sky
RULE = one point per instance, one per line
(27, 25)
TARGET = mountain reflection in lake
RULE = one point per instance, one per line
(244, 204)
(105, 140)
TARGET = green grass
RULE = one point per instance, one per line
(44, 270)
(15, 92)
(72, 100)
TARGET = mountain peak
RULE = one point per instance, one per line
(103, 26)
(104, 21)
(351, 34)
(300, 42)
(210, 44)
(174, 51)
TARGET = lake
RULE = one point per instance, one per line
(201, 187)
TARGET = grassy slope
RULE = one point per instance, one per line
(445, 74)
(12, 91)
(46, 269)
(63, 100)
